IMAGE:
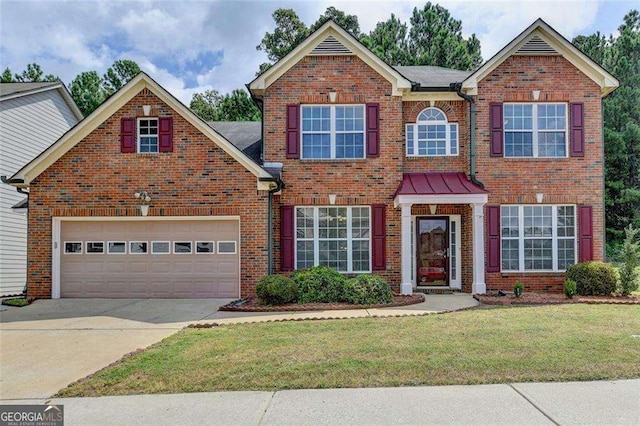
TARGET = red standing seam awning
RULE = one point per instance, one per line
(433, 183)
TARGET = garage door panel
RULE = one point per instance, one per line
(149, 274)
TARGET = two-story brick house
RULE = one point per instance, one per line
(430, 177)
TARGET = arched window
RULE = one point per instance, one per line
(432, 135)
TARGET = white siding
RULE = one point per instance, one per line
(28, 125)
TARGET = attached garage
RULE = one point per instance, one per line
(146, 258)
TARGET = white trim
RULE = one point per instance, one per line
(478, 286)
(235, 247)
(182, 242)
(55, 257)
(140, 218)
(64, 245)
(138, 254)
(157, 135)
(440, 199)
(104, 248)
(332, 132)
(448, 143)
(430, 96)
(213, 247)
(535, 132)
(117, 242)
(161, 252)
(406, 286)
(599, 75)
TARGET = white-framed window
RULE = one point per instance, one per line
(182, 247)
(116, 247)
(332, 131)
(160, 247)
(148, 135)
(337, 237)
(138, 247)
(538, 237)
(73, 247)
(431, 135)
(227, 247)
(535, 130)
(203, 247)
(95, 247)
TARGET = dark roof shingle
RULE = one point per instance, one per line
(429, 76)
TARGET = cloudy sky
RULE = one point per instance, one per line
(191, 46)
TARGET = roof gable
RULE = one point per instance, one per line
(541, 39)
(329, 39)
(17, 90)
(76, 134)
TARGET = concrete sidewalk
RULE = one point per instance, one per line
(579, 403)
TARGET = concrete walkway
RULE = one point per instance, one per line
(576, 403)
(52, 343)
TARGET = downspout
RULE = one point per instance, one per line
(472, 132)
(270, 224)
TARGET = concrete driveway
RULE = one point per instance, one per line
(51, 343)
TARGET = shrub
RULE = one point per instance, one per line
(367, 290)
(570, 289)
(593, 278)
(319, 284)
(518, 289)
(277, 289)
(16, 301)
(630, 257)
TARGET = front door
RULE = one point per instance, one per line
(433, 250)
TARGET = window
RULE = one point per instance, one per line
(535, 130)
(182, 247)
(432, 135)
(148, 135)
(160, 247)
(337, 237)
(538, 238)
(138, 247)
(73, 247)
(332, 131)
(95, 247)
(204, 247)
(117, 247)
(226, 247)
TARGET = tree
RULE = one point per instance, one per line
(234, 106)
(348, 22)
(621, 110)
(7, 76)
(289, 32)
(119, 74)
(34, 74)
(435, 38)
(388, 40)
(87, 91)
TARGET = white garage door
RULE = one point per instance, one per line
(139, 259)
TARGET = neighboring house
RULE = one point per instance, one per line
(363, 167)
(32, 117)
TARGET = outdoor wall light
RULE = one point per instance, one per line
(145, 198)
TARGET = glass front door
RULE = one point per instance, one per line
(433, 250)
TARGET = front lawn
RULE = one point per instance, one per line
(542, 343)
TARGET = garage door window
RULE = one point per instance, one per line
(95, 247)
(117, 247)
(226, 247)
(182, 247)
(73, 247)
(138, 247)
(160, 247)
(204, 247)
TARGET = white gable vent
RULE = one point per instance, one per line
(330, 46)
(536, 46)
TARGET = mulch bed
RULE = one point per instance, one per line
(493, 298)
(255, 305)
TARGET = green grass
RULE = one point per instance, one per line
(544, 343)
(16, 301)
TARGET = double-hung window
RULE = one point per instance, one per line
(148, 135)
(333, 132)
(337, 237)
(538, 238)
(432, 135)
(535, 130)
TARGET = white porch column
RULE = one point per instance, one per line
(478, 286)
(406, 287)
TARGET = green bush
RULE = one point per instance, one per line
(367, 290)
(16, 301)
(277, 290)
(319, 284)
(593, 278)
(570, 288)
(518, 289)
(630, 256)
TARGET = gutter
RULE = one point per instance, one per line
(457, 87)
